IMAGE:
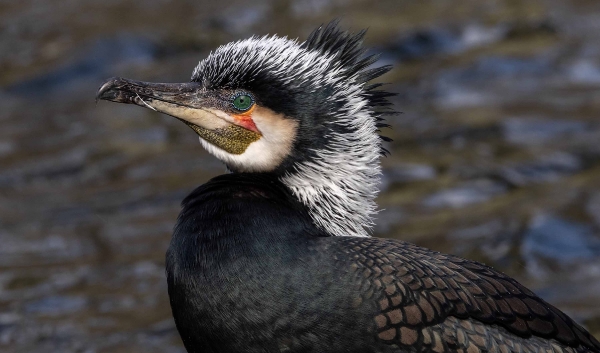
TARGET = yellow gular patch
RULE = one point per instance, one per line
(233, 139)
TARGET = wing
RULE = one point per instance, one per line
(443, 303)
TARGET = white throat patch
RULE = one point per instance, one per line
(264, 155)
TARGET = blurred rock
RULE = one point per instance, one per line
(241, 19)
(95, 61)
(535, 131)
(584, 71)
(116, 304)
(425, 43)
(504, 67)
(468, 86)
(52, 247)
(531, 28)
(560, 241)
(57, 305)
(468, 193)
(6, 147)
(593, 207)
(486, 231)
(406, 172)
(51, 167)
(435, 41)
(388, 218)
(494, 239)
(546, 168)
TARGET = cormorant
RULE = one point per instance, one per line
(276, 257)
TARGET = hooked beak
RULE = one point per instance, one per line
(184, 101)
(188, 102)
(123, 90)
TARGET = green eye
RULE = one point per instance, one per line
(243, 102)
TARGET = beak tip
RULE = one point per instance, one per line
(109, 89)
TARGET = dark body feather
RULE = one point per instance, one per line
(249, 272)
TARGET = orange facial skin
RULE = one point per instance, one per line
(245, 120)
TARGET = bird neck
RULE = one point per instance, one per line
(340, 183)
(236, 218)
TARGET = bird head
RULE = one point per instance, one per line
(301, 110)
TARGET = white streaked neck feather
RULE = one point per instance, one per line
(339, 187)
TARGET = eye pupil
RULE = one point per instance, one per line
(242, 102)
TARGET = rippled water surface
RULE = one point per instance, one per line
(496, 156)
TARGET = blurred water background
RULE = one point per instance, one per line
(496, 156)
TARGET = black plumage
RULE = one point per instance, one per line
(249, 272)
